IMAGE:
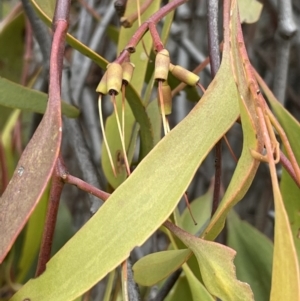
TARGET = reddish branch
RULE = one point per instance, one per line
(60, 27)
(130, 48)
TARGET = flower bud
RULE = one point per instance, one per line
(162, 62)
(114, 78)
(128, 69)
(167, 97)
(184, 75)
(102, 87)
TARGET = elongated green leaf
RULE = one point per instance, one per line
(247, 165)
(290, 191)
(254, 256)
(291, 196)
(216, 267)
(198, 290)
(285, 276)
(15, 96)
(45, 9)
(33, 237)
(287, 225)
(103, 242)
(155, 119)
(153, 268)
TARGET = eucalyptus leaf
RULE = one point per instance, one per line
(198, 290)
(154, 267)
(216, 267)
(16, 96)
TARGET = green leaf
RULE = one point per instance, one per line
(12, 47)
(288, 222)
(155, 118)
(254, 255)
(198, 290)
(45, 9)
(247, 166)
(16, 96)
(290, 191)
(181, 291)
(103, 242)
(216, 267)
(249, 10)
(32, 237)
(154, 267)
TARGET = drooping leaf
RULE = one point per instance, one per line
(252, 138)
(250, 10)
(154, 267)
(216, 267)
(15, 96)
(34, 168)
(287, 224)
(290, 191)
(254, 256)
(285, 274)
(143, 193)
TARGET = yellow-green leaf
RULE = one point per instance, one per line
(16, 96)
(250, 10)
(285, 262)
(216, 267)
(198, 290)
(154, 267)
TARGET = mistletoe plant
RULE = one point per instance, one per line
(144, 194)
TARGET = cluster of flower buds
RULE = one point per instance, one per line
(115, 75)
(162, 68)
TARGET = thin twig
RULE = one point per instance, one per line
(50, 222)
(214, 54)
(285, 32)
(60, 26)
(67, 178)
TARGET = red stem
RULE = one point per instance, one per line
(60, 27)
(67, 178)
(3, 169)
(48, 234)
(130, 48)
(288, 167)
